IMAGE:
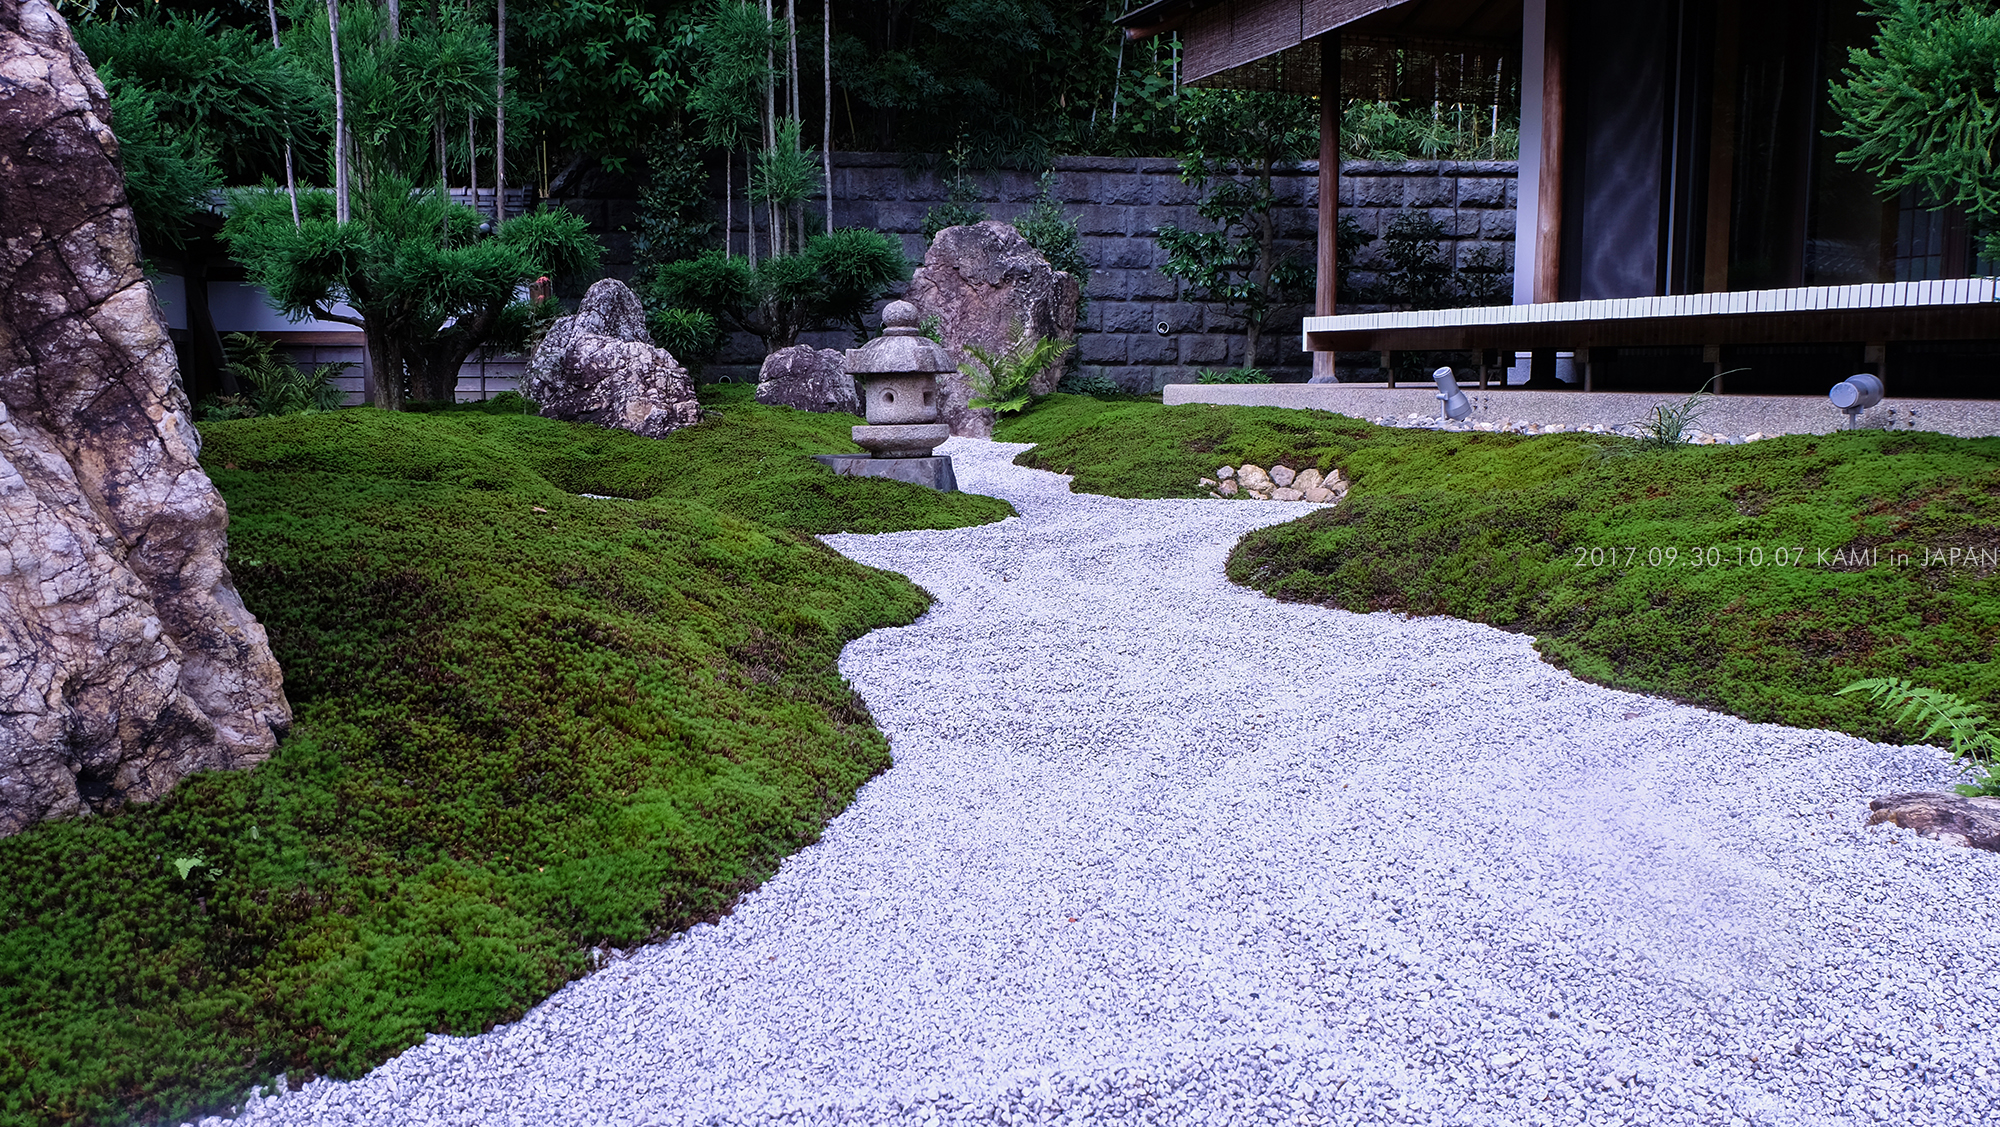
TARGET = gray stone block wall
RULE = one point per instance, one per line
(1118, 204)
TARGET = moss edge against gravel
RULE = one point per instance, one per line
(528, 725)
(1500, 529)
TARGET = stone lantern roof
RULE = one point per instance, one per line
(902, 349)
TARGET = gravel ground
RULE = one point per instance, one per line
(1157, 849)
(1691, 435)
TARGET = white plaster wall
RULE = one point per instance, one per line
(242, 308)
(1534, 33)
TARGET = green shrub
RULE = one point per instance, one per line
(963, 206)
(832, 282)
(1096, 383)
(691, 335)
(527, 724)
(1053, 234)
(1232, 375)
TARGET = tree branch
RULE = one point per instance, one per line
(329, 315)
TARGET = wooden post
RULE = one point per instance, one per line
(1326, 295)
(1549, 193)
(1721, 154)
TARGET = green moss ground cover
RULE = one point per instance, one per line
(1797, 591)
(528, 724)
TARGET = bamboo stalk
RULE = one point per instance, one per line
(500, 114)
(291, 181)
(341, 212)
(826, 127)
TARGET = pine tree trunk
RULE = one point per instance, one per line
(386, 357)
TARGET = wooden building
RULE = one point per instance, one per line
(1669, 148)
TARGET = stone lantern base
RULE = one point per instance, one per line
(909, 440)
(934, 472)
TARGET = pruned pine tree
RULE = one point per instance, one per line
(1922, 105)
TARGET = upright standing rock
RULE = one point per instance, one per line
(599, 365)
(127, 660)
(809, 379)
(989, 288)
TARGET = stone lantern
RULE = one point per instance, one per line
(897, 373)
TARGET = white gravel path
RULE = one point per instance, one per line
(1157, 849)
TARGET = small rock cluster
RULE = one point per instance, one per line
(1275, 484)
(1414, 421)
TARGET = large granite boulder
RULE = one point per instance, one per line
(988, 287)
(599, 365)
(127, 660)
(810, 379)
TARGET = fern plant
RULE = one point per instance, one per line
(1004, 385)
(1945, 716)
(273, 385)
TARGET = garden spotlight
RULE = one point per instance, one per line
(1456, 406)
(1856, 394)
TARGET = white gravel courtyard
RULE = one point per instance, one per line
(1158, 849)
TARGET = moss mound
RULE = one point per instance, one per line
(1130, 447)
(528, 724)
(1756, 579)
